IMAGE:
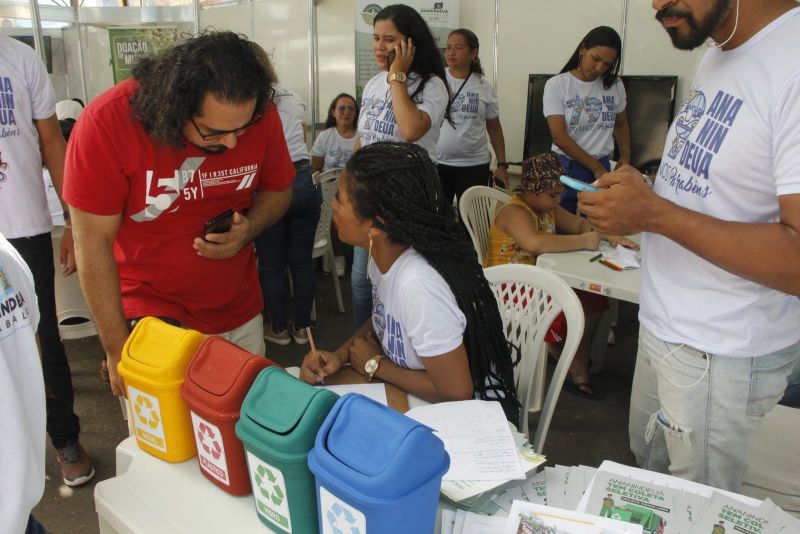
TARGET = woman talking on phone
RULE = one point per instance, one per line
(583, 106)
(462, 151)
(406, 101)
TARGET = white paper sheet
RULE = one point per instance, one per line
(376, 391)
(477, 437)
(565, 521)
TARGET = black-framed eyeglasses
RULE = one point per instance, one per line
(217, 134)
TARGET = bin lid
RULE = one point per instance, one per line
(279, 403)
(158, 351)
(219, 365)
(367, 436)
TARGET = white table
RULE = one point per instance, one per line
(580, 273)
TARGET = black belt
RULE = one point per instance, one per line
(300, 163)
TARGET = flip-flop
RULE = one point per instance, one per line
(581, 389)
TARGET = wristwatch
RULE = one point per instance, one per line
(371, 367)
(398, 77)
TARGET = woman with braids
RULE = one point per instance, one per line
(406, 101)
(583, 106)
(435, 330)
(462, 152)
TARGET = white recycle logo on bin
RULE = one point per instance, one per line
(338, 517)
(147, 420)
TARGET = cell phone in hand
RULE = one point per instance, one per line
(390, 58)
(577, 184)
(220, 224)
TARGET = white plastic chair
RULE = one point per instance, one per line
(477, 207)
(529, 299)
(323, 246)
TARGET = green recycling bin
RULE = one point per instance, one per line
(278, 424)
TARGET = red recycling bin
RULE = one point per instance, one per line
(217, 380)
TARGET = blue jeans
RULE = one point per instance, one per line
(569, 198)
(290, 242)
(63, 425)
(34, 527)
(361, 287)
(694, 415)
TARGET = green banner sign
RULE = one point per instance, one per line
(129, 45)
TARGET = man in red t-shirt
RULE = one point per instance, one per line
(192, 135)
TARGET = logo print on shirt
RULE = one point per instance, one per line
(171, 186)
(687, 119)
(7, 107)
(593, 107)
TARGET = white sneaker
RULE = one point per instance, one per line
(340, 265)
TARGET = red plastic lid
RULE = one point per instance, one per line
(221, 369)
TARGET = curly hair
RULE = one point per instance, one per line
(172, 84)
(427, 60)
(330, 122)
(395, 185)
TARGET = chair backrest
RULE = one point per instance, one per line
(477, 207)
(529, 299)
(328, 182)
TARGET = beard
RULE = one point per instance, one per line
(212, 149)
(699, 30)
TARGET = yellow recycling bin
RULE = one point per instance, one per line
(154, 362)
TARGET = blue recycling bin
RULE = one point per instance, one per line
(377, 471)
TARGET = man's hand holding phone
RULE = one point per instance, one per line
(223, 236)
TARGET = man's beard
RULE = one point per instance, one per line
(699, 31)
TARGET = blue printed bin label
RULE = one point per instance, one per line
(210, 449)
(147, 419)
(269, 492)
(338, 517)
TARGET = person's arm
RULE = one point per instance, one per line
(517, 222)
(622, 133)
(767, 253)
(317, 162)
(99, 277)
(311, 371)
(412, 121)
(446, 377)
(268, 207)
(53, 149)
(569, 223)
(496, 138)
(558, 131)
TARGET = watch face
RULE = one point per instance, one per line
(371, 366)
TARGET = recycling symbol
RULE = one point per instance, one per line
(341, 520)
(144, 411)
(277, 495)
(213, 448)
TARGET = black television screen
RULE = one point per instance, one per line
(48, 48)
(650, 108)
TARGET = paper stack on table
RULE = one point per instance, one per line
(484, 453)
(622, 256)
(529, 518)
(463, 522)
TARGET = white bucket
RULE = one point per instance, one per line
(74, 319)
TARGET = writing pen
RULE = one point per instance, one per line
(610, 265)
(595, 258)
(320, 361)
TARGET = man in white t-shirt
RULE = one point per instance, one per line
(721, 249)
(21, 395)
(28, 120)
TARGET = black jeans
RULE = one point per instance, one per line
(456, 180)
(62, 423)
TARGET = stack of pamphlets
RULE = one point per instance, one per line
(529, 518)
(463, 522)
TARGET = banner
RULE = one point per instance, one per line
(129, 45)
(441, 16)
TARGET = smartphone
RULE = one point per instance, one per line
(219, 224)
(390, 58)
(577, 184)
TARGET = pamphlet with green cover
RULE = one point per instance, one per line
(723, 515)
(656, 508)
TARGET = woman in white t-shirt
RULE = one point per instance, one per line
(436, 330)
(335, 144)
(583, 106)
(406, 101)
(462, 153)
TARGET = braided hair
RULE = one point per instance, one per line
(396, 186)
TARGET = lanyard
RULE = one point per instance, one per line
(460, 88)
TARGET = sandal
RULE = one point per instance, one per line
(581, 389)
(104, 370)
